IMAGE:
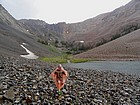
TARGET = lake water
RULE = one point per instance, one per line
(131, 67)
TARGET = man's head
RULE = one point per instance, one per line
(60, 67)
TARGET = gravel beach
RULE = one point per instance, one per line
(28, 82)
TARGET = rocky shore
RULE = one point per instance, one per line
(27, 82)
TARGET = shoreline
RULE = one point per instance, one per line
(129, 67)
(112, 57)
(29, 83)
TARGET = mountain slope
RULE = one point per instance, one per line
(43, 30)
(13, 34)
(105, 26)
(9, 20)
(117, 34)
(126, 47)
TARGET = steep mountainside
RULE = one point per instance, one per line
(13, 34)
(116, 24)
(105, 26)
(6, 18)
(43, 30)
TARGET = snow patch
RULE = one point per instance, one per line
(24, 43)
(30, 54)
(81, 41)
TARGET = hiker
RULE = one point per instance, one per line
(59, 76)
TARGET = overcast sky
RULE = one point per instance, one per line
(54, 11)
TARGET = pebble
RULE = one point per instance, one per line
(25, 81)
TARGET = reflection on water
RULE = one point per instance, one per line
(131, 67)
